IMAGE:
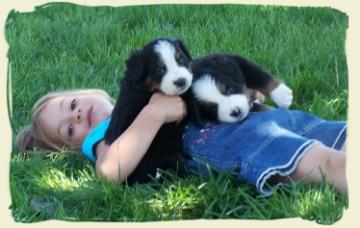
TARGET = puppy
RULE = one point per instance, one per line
(161, 65)
(225, 86)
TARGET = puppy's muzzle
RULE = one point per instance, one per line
(236, 113)
(180, 83)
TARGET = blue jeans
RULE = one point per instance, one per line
(262, 145)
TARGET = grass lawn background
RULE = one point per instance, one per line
(65, 46)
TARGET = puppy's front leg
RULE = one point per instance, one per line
(282, 95)
(263, 81)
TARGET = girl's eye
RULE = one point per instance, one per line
(73, 104)
(70, 130)
(230, 91)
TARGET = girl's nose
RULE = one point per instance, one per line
(77, 115)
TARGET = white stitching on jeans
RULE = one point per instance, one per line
(273, 170)
(338, 137)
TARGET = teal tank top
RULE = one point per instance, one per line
(96, 135)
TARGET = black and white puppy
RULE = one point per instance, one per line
(223, 85)
(161, 65)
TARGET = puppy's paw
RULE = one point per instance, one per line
(282, 96)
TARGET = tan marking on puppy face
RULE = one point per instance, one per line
(151, 84)
(222, 88)
(177, 56)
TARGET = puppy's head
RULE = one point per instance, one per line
(221, 98)
(162, 65)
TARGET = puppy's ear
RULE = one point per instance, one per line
(135, 66)
(183, 48)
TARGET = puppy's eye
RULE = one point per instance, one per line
(182, 60)
(73, 104)
(226, 90)
(162, 69)
(229, 90)
(179, 58)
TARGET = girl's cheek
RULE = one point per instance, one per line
(82, 134)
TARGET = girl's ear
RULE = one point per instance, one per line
(135, 67)
(183, 48)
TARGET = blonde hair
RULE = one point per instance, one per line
(32, 137)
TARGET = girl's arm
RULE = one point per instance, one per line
(117, 161)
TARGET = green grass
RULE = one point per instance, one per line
(65, 46)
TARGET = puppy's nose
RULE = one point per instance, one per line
(181, 82)
(236, 112)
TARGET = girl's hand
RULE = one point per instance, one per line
(167, 108)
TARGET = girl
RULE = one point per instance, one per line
(266, 149)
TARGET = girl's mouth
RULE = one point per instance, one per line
(88, 116)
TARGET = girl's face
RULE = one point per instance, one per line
(69, 119)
